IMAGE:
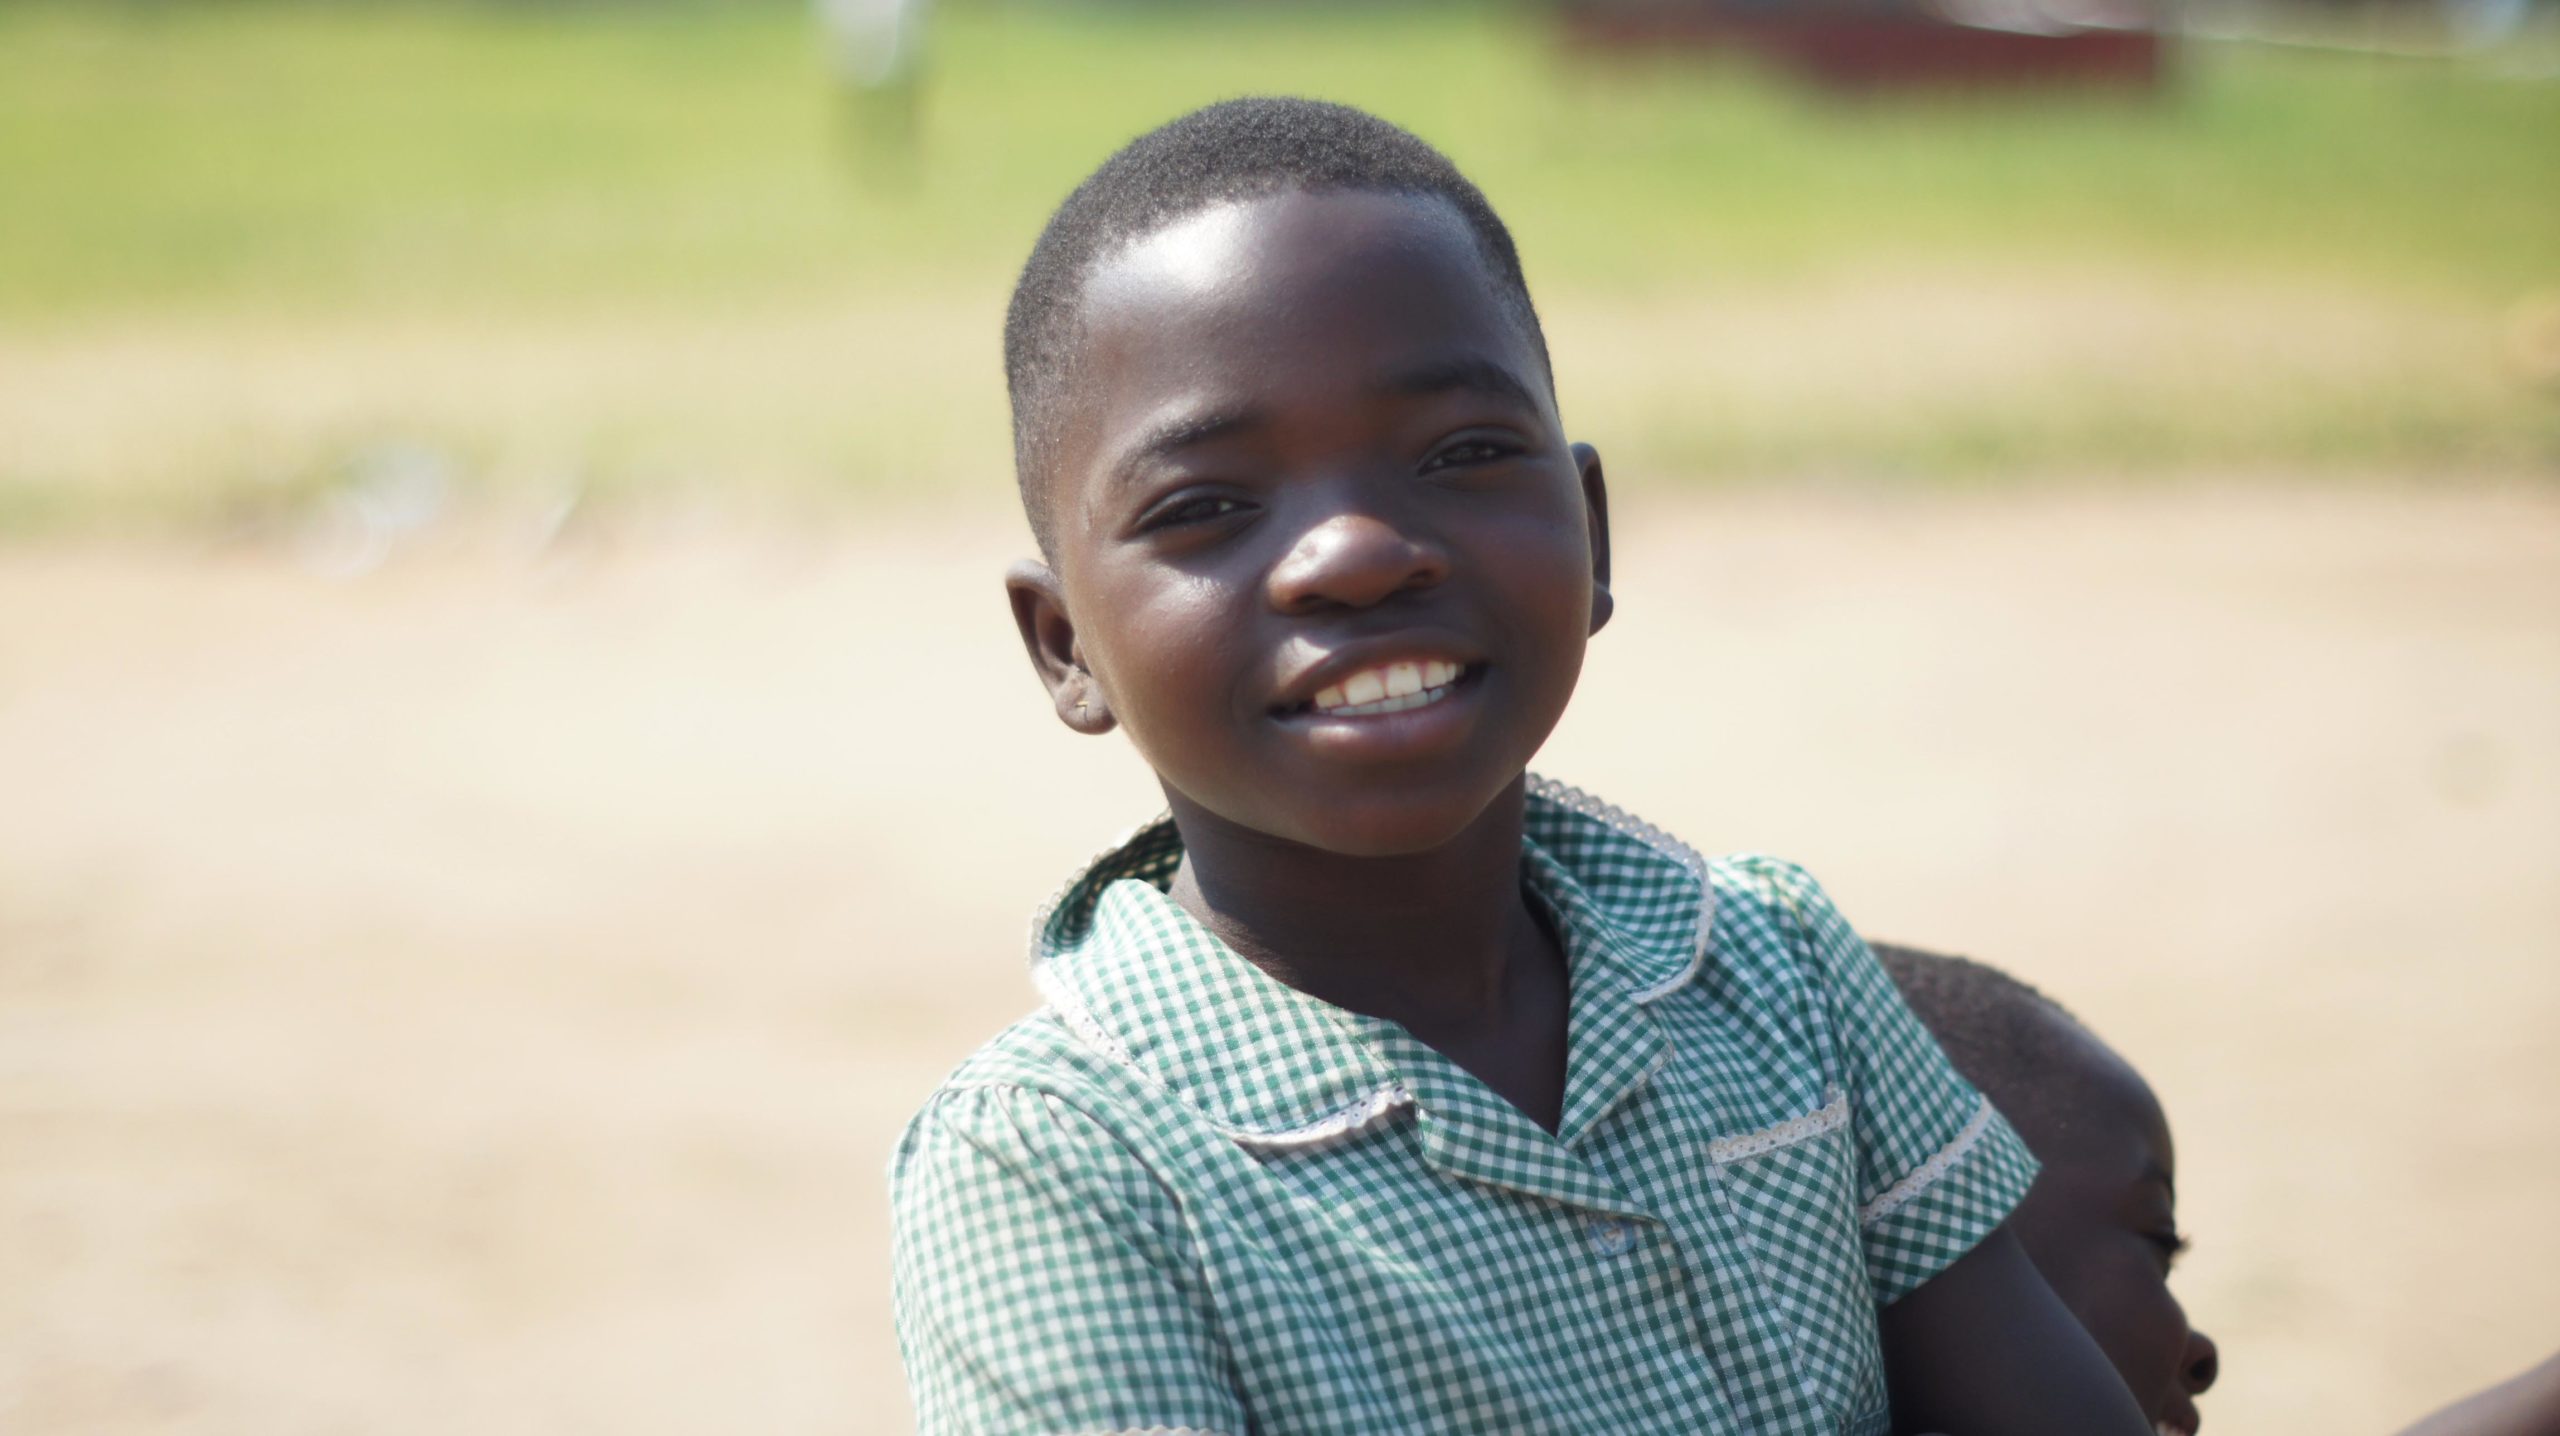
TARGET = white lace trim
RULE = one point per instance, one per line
(1629, 825)
(1339, 1125)
(1091, 1033)
(1049, 908)
(1926, 1175)
(1343, 1122)
(1829, 1117)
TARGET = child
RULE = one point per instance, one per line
(2101, 1221)
(1381, 1087)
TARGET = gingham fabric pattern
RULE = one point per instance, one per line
(1186, 1197)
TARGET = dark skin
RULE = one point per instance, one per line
(2101, 1223)
(1306, 441)
(1393, 957)
(1379, 476)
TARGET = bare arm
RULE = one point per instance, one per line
(2527, 1405)
(1985, 1348)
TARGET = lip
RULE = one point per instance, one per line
(1411, 735)
(1334, 664)
(2178, 1423)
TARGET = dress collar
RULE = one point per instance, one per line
(1135, 977)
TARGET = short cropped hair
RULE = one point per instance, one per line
(1990, 1025)
(1234, 150)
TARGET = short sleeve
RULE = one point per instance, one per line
(1938, 1166)
(1041, 1281)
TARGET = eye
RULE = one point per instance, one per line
(2170, 1243)
(1470, 450)
(1183, 511)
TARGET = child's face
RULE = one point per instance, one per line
(2101, 1223)
(1305, 449)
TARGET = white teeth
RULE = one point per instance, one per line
(1394, 688)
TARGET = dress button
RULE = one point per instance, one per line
(1612, 1236)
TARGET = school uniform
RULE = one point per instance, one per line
(1185, 1197)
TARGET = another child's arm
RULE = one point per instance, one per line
(1042, 1279)
(2526, 1405)
(1975, 1343)
(1985, 1348)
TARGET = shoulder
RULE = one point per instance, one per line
(1037, 1052)
(1771, 915)
(1036, 1157)
(1766, 887)
(1782, 954)
(1033, 1107)
(1774, 915)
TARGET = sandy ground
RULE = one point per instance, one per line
(480, 996)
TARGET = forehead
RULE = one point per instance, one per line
(1291, 301)
(1291, 243)
(2097, 1115)
(1296, 249)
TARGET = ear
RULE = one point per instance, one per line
(1595, 500)
(1049, 636)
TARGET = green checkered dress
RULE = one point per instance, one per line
(1184, 1197)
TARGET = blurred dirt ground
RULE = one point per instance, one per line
(480, 995)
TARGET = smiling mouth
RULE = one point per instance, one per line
(1387, 688)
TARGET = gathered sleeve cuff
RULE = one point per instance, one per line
(1944, 1207)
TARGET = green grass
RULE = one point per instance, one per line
(178, 176)
(265, 154)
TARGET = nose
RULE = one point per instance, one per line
(2203, 1364)
(1354, 560)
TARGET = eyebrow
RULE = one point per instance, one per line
(1172, 436)
(1482, 376)
(2152, 1171)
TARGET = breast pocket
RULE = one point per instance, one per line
(1793, 1192)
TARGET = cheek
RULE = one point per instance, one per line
(1157, 650)
(1181, 689)
(2113, 1287)
(2165, 1333)
(2140, 1326)
(1546, 570)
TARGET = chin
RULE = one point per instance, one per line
(1371, 821)
(1390, 842)
(2175, 1415)
(1391, 829)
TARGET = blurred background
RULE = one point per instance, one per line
(515, 776)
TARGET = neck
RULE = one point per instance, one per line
(1430, 940)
